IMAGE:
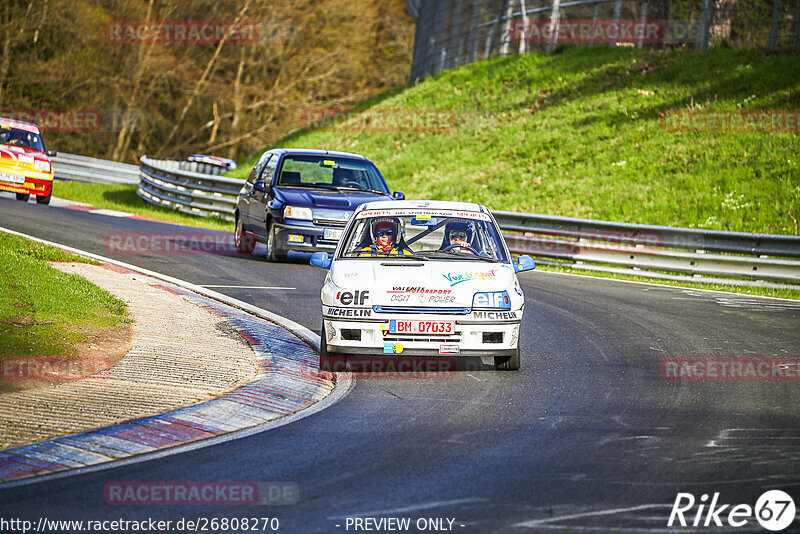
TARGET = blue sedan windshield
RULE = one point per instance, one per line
(330, 172)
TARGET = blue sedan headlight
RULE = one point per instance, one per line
(496, 300)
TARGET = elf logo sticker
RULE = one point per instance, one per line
(358, 298)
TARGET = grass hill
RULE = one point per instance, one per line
(581, 133)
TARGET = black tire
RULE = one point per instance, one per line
(511, 363)
(45, 200)
(23, 196)
(244, 243)
(272, 246)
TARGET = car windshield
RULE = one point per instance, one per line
(330, 172)
(21, 138)
(431, 235)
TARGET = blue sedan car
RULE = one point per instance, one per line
(301, 199)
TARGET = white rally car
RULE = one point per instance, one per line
(422, 278)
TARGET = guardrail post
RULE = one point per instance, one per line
(417, 54)
(704, 26)
(438, 31)
(797, 27)
(422, 46)
(617, 17)
(595, 11)
(642, 22)
(456, 59)
(496, 26)
(474, 32)
(776, 20)
(555, 17)
(505, 34)
(523, 42)
(429, 39)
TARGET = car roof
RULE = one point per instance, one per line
(424, 204)
(316, 152)
(20, 125)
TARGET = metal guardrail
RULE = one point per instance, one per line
(691, 251)
(735, 255)
(84, 169)
(178, 185)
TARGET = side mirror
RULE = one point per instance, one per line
(524, 263)
(259, 185)
(52, 153)
(321, 259)
(398, 195)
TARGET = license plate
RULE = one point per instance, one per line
(334, 234)
(13, 178)
(441, 328)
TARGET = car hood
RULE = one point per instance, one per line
(326, 198)
(396, 282)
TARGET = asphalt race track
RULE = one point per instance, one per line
(587, 437)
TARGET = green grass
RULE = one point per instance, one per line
(579, 133)
(43, 311)
(123, 197)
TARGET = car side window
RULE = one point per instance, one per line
(258, 168)
(269, 170)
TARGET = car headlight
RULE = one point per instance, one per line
(293, 212)
(496, 300)
(43, 166)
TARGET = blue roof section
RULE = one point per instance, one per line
(317, 152)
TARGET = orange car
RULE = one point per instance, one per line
(25, 167)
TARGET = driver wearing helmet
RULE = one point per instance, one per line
(385, 235)
(458, 237)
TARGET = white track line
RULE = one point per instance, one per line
(245, 287)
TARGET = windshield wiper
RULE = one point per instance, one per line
(357, 255)
(353, 188)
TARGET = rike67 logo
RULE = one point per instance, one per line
(774, 510)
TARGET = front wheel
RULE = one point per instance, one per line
(45, 199)
(23, 196)
(272, 245)
(511, 363)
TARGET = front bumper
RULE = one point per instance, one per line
(312, 235)
(32, 186)
(370, 337)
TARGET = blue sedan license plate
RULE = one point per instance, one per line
(334, 234)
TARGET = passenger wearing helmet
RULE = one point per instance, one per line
(458, 237)
(385, 235)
